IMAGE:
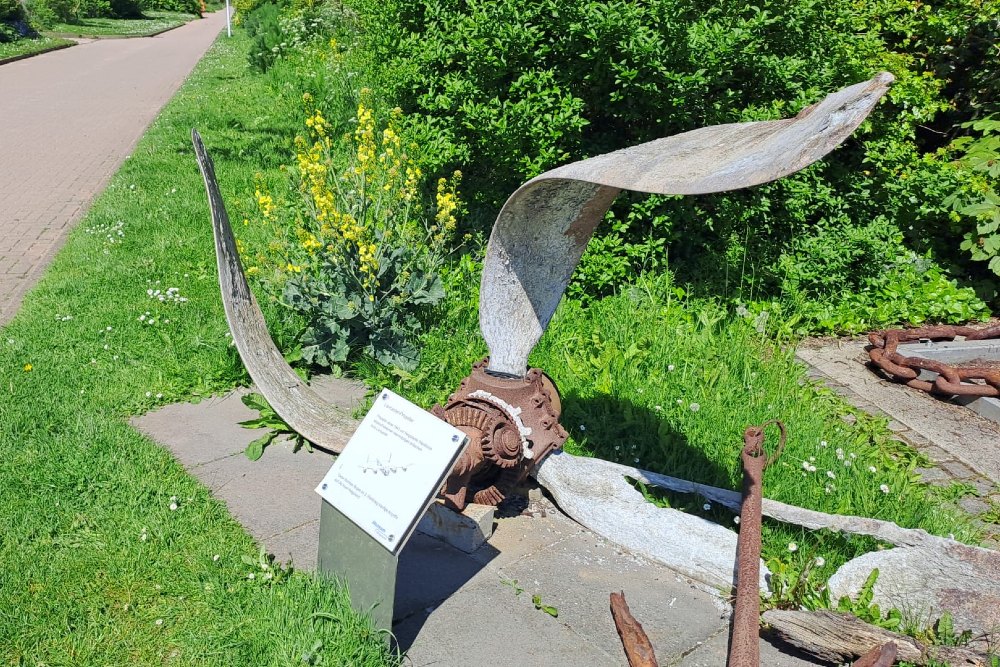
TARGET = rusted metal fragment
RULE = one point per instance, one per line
(638, 648)
(512, 424)
(315, 419)
(744, 645)
(880, 656)
(951, 380)
(543, 229)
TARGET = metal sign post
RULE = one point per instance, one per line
(229, 22)
(375, 493)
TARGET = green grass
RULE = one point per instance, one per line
(653, 379)
(97, 568)
(153, 22)
(29, 47)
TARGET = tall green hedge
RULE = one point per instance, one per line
(505, 89)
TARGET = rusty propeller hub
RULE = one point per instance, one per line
(512, 424)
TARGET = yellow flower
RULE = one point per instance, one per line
(27, 368)
(293, 268)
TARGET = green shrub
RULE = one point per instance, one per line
(10, 10)
(510, 88)
(49, 12)
(262, 26)
(93, 9)
(185, 6)
(126, 9)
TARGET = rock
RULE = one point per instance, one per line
(596, 494)
(925, 582)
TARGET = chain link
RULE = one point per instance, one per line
(951, 380)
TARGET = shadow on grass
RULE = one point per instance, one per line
(619, 430)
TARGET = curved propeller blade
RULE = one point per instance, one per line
(543, 229)
(315, 419)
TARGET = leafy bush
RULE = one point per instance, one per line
(50, 12)
(262, 26)
(510, 88)
(279, 32)
(93, 9)
(9, 10)
(185, 6)
(981, 156)
(126, 9)
(364, 262)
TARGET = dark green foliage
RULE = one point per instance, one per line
(124, 9)
(262, 26)
(10, 10)
(506, 89)
(186, 6)
(50, 12)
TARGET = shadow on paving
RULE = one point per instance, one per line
(429, 573)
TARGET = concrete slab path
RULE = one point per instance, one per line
(68, 119)
(454, 608)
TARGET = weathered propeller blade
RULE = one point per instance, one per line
(318, 421)
(543, 229)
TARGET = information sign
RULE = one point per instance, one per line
(391, 469)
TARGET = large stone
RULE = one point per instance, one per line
(926, 582)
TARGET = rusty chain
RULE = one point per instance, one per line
(744, 645)
(951, 380)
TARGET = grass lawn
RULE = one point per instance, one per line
(28, 47)
(152, 23)
(111, 553)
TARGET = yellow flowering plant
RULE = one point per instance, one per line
(366, 255)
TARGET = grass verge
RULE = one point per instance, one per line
(112, 553)
(152, 23)
(21, 48)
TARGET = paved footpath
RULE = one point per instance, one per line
(68, 118)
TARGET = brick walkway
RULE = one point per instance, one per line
(67, 121)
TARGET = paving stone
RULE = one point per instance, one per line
(921, 443)
(984, 487)
(935, 453)
(958, 470)
(269, 496)
(211, 428)
(974, 505)
(897, 427)
(933, 475)
(466, 531)
(297, 546)
(963, 435)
